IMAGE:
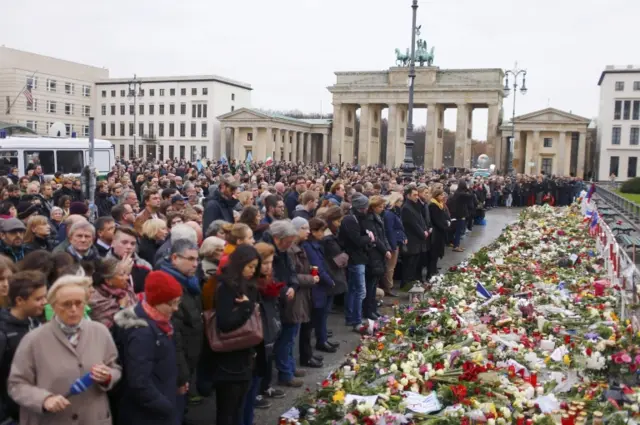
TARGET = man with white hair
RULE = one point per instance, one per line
(178, 232)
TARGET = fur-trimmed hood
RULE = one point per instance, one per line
(127, 319)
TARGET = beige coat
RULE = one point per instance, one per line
(47, 364)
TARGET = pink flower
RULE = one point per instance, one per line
(626, 358)
(637, 359)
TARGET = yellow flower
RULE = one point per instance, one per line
(614, 317)
(547, 360)
(338, 397)
(399, 333)
(566, 359)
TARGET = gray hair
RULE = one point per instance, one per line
(215, 227)
(56, 209)
(82, 225)
(125, 194)
(182, 245)
(283, 229)
(183, 231)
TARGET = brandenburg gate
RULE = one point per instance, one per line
(436, 90)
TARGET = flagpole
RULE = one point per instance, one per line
(19, 93)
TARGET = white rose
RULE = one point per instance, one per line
(393, 368)
(491, 422)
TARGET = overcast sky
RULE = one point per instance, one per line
(288, 50)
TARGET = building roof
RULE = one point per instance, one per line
(11, 128)
(553, 111)
(272, 115)
(611, 69)
(178, 79)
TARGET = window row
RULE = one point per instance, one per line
(150, 128)
(198, 110)
(157, 152)
(52, 108)
(632, 166)
(620, 86)
(634, 136)
(52, 86)
(622, 109)
(81, 130)
(161, 92)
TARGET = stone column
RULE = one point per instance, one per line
(365, 134)
(561, 167)
(294, 146)
(462, 123)
(325, 148)
(337, 131)
(468, 160)
(374, 134)
(494, 150)
(287, 145)
(402, 133)
(268, 145)
(277, 145)
(535, 153)
(237, 144)
(392, 135)
(582, 142)
(223, 142)
(432, 159)
(254, 143)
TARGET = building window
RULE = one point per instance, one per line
(68, 129)
(233, 96)
(636, 110)
(112, 129)
(615, 136)
(636, 87)
(161, 153)
(51, 85)
(104, 93)
(140, 129)
(141, 109)
(194, 92)
(172, 132)
(619, 87)
(161, 92)
(123, 93)
(613, 165)
(183, 92)
(204, 110)
(233, 108)
(132, 110)
(33, 106)
(633, 136)
(171, 152)
(199, 111)
(122, 129)
(86, 91)
(183, 109)
(51, 106)
(141, 151)
(161, 109)
(193, 129)
(547, 166)
(249, 137)
(193, 110)
(152, 109)
(68, 108)
(193, 153)
(33, 125)
(131, 152)
(151, 129)
(182, 150)
(69, 88)
(161, 129)
(85, 131)
(203, 151)
(205, 92)
(103, 109)
(172, 92)
(113, 93)
(131, 129)
(86, 110)
(152, 92)
(141, 92)
(33, 82)
(122, 150)
(103, 129)
(548, 142)
(183, 129)
(617, 110)
(626, 114)
(123, 109)
(632, 166)
(204, 129)
(172, 109)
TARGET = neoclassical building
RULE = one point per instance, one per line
(548, 140)
(266, 134)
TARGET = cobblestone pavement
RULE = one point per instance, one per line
(497, 219)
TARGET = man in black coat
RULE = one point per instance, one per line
(417, 232)
(221, 204)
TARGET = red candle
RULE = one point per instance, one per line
(533, 379)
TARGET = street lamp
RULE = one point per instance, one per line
(515, 73)
(408, 165)
(135, 91)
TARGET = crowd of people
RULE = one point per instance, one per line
(186, 279)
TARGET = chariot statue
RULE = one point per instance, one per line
(423, 55)
(402, 59)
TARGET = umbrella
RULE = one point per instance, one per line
(80, 385)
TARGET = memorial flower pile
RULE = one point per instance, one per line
(525, 331)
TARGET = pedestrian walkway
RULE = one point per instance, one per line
(497, 219)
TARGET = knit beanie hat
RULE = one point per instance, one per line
(160, 287)
(78, 208)
(359, 201)
(298, 222)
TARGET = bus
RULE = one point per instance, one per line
(67, 155)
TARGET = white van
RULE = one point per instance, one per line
(67, 155)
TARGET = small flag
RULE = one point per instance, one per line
(268, 162)
(592, 190)
(481, 291)
(249, 157)
(223, 159)
(81, 384)
(28, 95)
(594, 223)
(199, 165)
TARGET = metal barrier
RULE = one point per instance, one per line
(626, 207)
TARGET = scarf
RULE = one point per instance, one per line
(163, 322)
(119, 294)
(269, 288)
(190, 283)
(435, 202)
(89, 256)
(71, 332)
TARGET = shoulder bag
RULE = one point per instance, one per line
(246, 336)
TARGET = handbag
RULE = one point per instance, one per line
(246, 336)
(341, 260)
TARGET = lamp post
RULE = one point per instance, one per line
(135, 91)
(408, 165)
(515, 73)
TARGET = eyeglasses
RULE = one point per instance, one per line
(190, 259)
(68, 305)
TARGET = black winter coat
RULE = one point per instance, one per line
(148, 357)
(459, 205)
(147, 249)
(218, 208)
(440, 228)
(414, 227)
(377, 260)
(283, 268)
(104, 204)
(332, 249)
(354, 239)
(39, 243)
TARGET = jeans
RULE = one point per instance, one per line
(249, 401)
(181, 406)
(283, 351)
(509, 200)
(355, 294)
(319, 318)
(306, 351)
(460, 226)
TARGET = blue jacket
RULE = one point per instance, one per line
(218, 208)
(150, 370)
(394, 229)
(334, 199)
(315, 255)
(291, 202)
